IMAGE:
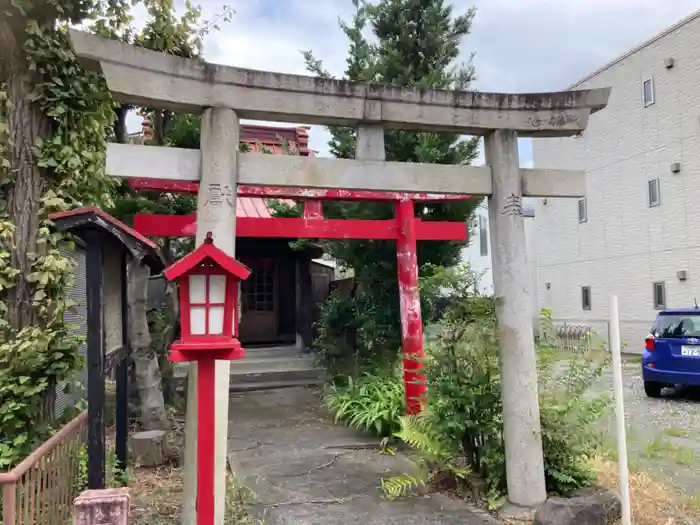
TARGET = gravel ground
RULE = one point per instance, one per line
(663, 435)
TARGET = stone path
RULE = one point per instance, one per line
(305, 470)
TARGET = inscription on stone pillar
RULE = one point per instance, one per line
(512, 205)
(102, 507)
(218, 194)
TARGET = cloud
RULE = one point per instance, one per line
(520, 45)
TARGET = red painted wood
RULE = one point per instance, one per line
(186, 353)
(202, 252)
(409, 297)
(296, 193)
(205, 440)
(313, 209)
(290, 228)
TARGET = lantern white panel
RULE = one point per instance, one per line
(217, 289)
(198, 291)
(216, 320)
(198, 320)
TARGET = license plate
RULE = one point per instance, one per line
(690, 351)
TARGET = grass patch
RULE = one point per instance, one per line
(677, 432)
(660, 448)
(652, 503)
(157, 498)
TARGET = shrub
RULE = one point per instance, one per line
(465, 414)
(465, 406)
(357, 333)
(436, 455)
(373, 402)
(115, 477)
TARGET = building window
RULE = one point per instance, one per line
(648, 92)
(659, 295)
(582, 210)
(586, 297)
(483, 236)
(654, 193)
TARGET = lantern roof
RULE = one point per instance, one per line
(207, 250)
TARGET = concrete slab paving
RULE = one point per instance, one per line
(305, 470)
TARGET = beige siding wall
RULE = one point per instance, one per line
(625, 245)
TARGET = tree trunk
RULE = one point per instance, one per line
(120, 133)
(25, 123)
(145, 359)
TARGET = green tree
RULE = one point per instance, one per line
(54, 120)
(416, 44)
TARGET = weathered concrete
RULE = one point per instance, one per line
(132, 161)
(369, 143)
(553, 183)
(148, 448)
(306, 471)
(521, 411)
(366, 172)
(147, 78)
(216, 205)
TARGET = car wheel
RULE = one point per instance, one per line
(652, 389)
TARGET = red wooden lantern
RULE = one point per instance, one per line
(208, 280)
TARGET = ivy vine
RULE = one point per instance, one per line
(34, 359)
(36, 356)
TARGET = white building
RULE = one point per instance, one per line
(478, 251)
(637, 234)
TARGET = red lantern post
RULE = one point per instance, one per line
(208, 280)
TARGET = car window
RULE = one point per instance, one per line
(677, 326)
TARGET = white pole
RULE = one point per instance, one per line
(619, 410)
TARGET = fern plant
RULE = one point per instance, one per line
(433, 455)
(372, 402)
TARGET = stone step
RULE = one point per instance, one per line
(263, 373)
(288, 371)
(271, 364)
(273, 351)
(273, 385)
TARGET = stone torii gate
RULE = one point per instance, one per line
(224, 94)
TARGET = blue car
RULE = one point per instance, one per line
(672, 351)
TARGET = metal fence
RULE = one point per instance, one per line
(41, 489)
(573, 334)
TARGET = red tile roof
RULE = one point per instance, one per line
(271, 139)
(255, 207)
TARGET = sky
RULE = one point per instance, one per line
(519, 45)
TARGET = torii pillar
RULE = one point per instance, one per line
(518, 362)
(216, 206)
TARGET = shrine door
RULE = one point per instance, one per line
(260, 302)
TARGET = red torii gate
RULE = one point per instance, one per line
(406, 229)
